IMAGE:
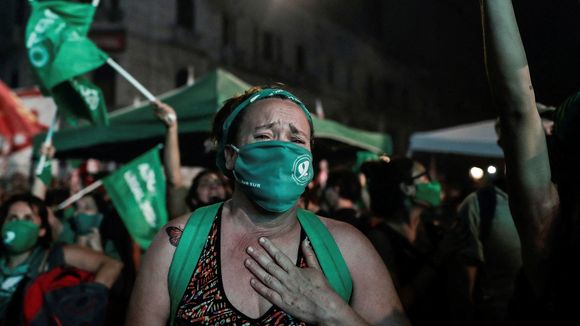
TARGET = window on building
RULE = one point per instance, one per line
(105, 78)
(330, 71)
(279, 50)
(300, 59)
(228, 30)
(268, 46)
(370, 89)
(256, 41)
(181, 77)
(186, 14)
(349, 77)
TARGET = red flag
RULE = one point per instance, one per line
(18, 125)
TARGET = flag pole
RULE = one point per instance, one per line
(79, 194)
(131, 80)
(47, 141)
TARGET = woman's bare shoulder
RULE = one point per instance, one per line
(349, 239)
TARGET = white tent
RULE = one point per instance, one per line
(477, 139)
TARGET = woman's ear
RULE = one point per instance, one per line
(230, 156)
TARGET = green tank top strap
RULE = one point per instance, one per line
(328, 254)
(187, 253)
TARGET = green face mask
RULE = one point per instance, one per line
(429, 193)
(273, 174)
(19, 236)
(84, 223)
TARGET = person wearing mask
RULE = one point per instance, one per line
(257, 265)
(401, 194)
(27, 251)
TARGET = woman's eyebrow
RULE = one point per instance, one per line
(296, 130)
(266, 126)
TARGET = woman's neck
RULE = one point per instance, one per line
(15, 260)
(256, 220)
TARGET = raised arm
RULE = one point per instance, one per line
(172, 159)
(533, 199)
(38, 187)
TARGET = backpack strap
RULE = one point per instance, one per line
(327, 253)
(187, 253)
(487, 200)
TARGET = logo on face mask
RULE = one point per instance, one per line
(9, 237)
(301, 170)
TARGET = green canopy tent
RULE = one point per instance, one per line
(135, 129)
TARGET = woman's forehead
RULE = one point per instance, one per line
(20, 206)
(274, 110)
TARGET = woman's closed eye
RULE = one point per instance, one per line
(262, 137)
(298, 140)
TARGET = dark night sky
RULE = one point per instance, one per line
(443, 37)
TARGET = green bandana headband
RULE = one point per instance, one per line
(264, 93)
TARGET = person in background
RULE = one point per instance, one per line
(340, 195)
(27, 251)
(257, 266)
(542, 183)
(207, 187)
(401, 192)
(489, 260)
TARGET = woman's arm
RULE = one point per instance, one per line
(106, 269)
(38, 188)
(172, 159)
(150, 301)
(533, 199)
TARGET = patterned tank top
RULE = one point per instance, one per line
(204, 301)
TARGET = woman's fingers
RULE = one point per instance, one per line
(279, 257)
(268, 279)
(266, 262)
(268, 293)
(309, 254)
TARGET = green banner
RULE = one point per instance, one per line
(138, 193)
(79, 98)
(57, 42)
(46, 175)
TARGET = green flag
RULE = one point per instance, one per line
(57, 42)
(79, 98)
(46, 175)
(138, 193)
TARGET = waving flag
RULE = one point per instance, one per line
(60, 53)
(79, 98)
(138, 193)
(18, 125)
(57, 42)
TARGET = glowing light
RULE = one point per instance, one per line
(476, 173)
(491, 169)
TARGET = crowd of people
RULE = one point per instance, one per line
(263, 240)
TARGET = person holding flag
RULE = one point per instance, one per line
(257, 258)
